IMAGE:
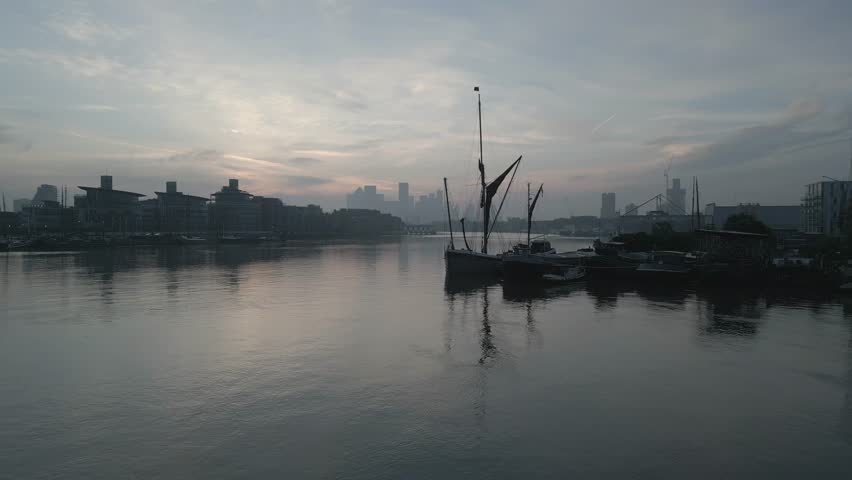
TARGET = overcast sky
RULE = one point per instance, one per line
(308, 100)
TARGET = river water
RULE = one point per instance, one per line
(359, 361)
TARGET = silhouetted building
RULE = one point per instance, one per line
(362, 223)
(178, 212)
(366, 198)
(645, 223)
(430, 208)
(150, 215)
(404, 203)
(608, 205)
(110, 210)
(271, 213)
(19, 204)
(233, 210)
(825, 206)
(46, 216)
(46, 193)
(306, 221)
(776, 217)
(9, 222)
(676, 196)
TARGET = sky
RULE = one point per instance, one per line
(308, 100)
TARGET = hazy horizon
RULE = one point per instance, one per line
(309, 100)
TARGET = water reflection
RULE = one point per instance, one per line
(734, 312)
(846, 414)
(467, 289)
(540, 293)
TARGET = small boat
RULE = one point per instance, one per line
(19, 244)
(665, 265)
(237, 239)
(190, 240)
(571, 274)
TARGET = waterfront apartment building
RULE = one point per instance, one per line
(106, 209)
(271, 213)
(824, 207)
(608, 205)
(233, 210)
(776, 217)
(177, 212)
(46, 216)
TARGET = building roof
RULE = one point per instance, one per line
(231, 191)
(732, 233)
(120, 192)
(194, 197)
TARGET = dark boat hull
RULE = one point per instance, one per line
(464, 262)
(531, 267)
(663, 273)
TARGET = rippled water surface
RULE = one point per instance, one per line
(360, 361)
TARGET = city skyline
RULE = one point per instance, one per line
(306, 101)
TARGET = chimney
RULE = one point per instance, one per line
(106, 182)
(234, 183)
(171, 187)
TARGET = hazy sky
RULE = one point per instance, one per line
(307, 100)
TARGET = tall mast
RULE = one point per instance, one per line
(482, 202)
(698, 203)
(692, 207)
(479, 108)
(529, 216)
(449, 218)
(531, 209)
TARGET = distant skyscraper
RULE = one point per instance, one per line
(403, 192)
(366, 198)
(21, 203)
(608, 205)
(677, 199)
(46, 193)
(404, 201)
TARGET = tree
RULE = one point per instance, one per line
(744, 222)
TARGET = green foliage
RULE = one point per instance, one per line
(663, 237)
(744, 222)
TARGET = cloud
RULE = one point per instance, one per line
(304, 161)
(95, 108)
(13, 142)
(305, 180)
(82, 26)
(803, 123)
(5, 134)
(83, 65)
(196, 156)
(601, 125)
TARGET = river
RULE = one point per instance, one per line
(358, 361)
